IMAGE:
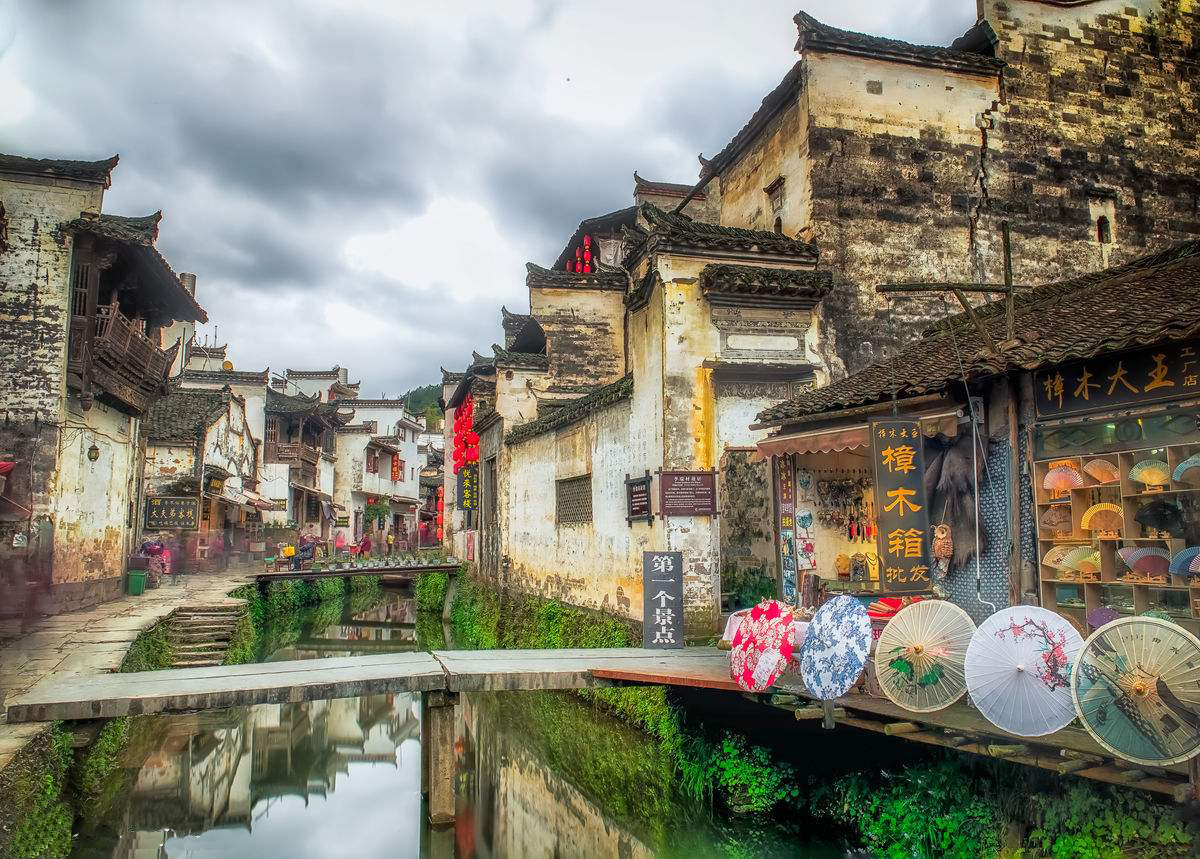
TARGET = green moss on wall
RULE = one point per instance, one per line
(243, 643)
(430, 591)
(35, 812)
(150, 651)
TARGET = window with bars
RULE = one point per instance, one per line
(573, 500)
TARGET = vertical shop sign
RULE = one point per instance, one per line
(786, 493)
(468, 487)
(395, 468)
(898, 454)
(662, 600)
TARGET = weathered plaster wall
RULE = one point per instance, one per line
(229, 444)
(584, 336)
(166, 464)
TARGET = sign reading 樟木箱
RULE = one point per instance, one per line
(468, 487)
(1120, 379)
(901, 509)
(662, 600)
(163, 512)
(687, 493)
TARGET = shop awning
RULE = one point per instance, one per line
(327, 509)
(257, 501)
(816, 441)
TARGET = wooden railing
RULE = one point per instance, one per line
(290, 453)
(118, 358)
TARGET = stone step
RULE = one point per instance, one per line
(210, 609)
(207, 616)
(185, 638)
(195, 663)
(194, 649)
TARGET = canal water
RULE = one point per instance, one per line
(538, 775)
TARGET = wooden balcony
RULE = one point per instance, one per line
(109, 354)
(291, 454)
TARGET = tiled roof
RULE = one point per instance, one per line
(449, 376)
(140, 234)
(604, 278)
(279, 403)
(772, 103)
(1152, 299)
(813, 35)
(92, 171)
(185, 414)
(522, 332)
(759, 280)
(574, 411)
(386, 442)
(335, 373)
(661, 189)
(607, 224)
(226, 377)
(531, 360)
(678, 230)
(207, 351)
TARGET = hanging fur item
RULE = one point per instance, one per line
(950, 485)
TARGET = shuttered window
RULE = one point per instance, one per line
(573, 500)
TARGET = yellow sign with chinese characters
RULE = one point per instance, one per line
(1161, 373)
(898, 456)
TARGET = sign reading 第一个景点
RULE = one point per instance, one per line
(1119, 379)
(163, 512)
(902, 514)
(662, 599)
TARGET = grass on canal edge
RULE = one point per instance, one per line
(951, 805)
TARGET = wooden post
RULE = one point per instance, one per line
(1010, 292)
(438, 718)
(1194, 779)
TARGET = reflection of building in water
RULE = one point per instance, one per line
(513, 804)
(224, 769)
(385, 629)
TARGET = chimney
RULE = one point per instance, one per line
(189, 282)
(343, 375)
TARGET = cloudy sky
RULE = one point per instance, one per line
(361, 183)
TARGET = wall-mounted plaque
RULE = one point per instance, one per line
(468, 487)
(637, 498)
(662, 600)
(687, 493)
(165, 513)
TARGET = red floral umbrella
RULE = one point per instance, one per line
(762, 646)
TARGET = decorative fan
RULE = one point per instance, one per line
(1103, 517)
(1161, 516)
(1151, 472)
(1181, 562)
(1102, 471)
(1150, 560)
(1188, 471)
(1085, 559)
(1063, 477)
(1054, 558)
(1057, 518)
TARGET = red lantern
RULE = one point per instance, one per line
(587, 256)
(441, 493)
(473, 455)
(578, 253)
(440, 520)
(472, 437)
(587, 268)
(568, 265)
(441, 505)
(587, 241)
(440, 534)
(578, 266)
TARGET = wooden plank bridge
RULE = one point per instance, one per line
(381, 569)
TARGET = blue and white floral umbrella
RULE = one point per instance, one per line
(836, 649)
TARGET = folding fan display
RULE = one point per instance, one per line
(1063, 477)
(1150, 560)
(1054, 558)
(1151, 472)
(1085, 559)
(1102, 471)
(1103, 517)
(1162, 517)
(1181, 561)
(1188, 471)
(1057, 518)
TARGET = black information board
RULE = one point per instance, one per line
(163, 512)
(662, 600)
(1121, 379)
(687, 493)
(468, 487)
(902, 512)
(637, 498)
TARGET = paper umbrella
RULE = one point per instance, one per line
(836, 649)
(919, 657)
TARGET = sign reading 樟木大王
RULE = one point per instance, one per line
(662, 600)
(166, 512)
(1151, 375)
(468, 487)
(637, 498)
(687, 493)
(902, 512)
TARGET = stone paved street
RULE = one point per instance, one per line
(95, 641)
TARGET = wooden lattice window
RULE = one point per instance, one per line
(573, 500)
(272, 431)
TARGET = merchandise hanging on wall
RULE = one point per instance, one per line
(920, 657)
(1136, 689)
(1018, 670)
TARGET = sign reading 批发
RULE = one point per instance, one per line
(662, 600)
(902, 513)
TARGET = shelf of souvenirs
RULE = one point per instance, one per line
(1111, 473)
(1075, 602)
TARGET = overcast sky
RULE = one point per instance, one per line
(361, 183)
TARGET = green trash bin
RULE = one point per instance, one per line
(137, 582)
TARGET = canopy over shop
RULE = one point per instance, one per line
(1101, 367)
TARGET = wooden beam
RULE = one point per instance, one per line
(817, 712)
(1071, 754)
(974, 288)
(894, 728)
(979, 326)
(1005, 750)
(1010, 291)
(1071, 766)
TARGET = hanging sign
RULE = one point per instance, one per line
(342, 520)
(785, 491)
(163, 512)
(662, 600)
(637, 499)
(687, 493)
(468, 487)
(395, 468)
(898, 453)
(279, 504)
(1122, 379)
(215, 484)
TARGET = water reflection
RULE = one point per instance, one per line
(342, 629)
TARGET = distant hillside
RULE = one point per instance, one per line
(424, 401)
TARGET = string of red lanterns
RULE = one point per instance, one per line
(441, 512)
(466, 440)
(582, 264)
